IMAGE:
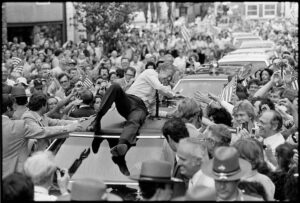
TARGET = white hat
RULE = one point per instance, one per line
(22, 80)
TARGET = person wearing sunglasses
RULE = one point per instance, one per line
(128, 78)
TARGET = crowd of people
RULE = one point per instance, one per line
(243, 150)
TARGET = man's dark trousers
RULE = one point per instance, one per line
(131, 107)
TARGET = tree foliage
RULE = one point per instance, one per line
(107, 21)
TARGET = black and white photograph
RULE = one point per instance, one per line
(150, 101)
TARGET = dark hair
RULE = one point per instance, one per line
(278, 119)
(176, 129)
(87, 97)
(251, 151)
(58, 52)
(291, 185)
(46, 50)
(253, 81)
(61, 75)
(220, 116)
(148, 189)
(110, 74)
(37, 101)
(150, 63)
(285, 154)
(253, 188)
(21, 100)
(268, 102)
(7, 101)
(131, 69)
(270, 72)
(18, 187)
(241, 92)
(103, 68)
(222, 132)
(120, 72)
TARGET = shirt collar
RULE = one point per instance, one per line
(39, 189)
(5, 116)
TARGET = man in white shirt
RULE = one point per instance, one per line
(270, 124)
(134, 106)
(192, 152)
(180, 61)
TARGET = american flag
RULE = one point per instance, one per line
(16, 61)
(186, 36)
(229, 90)
(295, 85)
(87, 83)
(18, 69)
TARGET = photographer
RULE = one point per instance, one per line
(41, 168)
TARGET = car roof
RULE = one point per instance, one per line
(257, 44)
(245, 57)
(237, 34)
(248, 37)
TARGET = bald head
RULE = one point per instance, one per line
(193, 146)
(270, 122)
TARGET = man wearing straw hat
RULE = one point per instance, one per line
(155, 181)
(227, 169)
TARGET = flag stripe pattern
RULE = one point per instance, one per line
(18, 69)
(186, 36)
(16, 61)
(229, 90)
(87, 82)
(295, 85)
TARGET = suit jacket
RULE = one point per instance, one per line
(121, 81)
(179, 189)
(50, 128)
(84, 111)
(15, 136)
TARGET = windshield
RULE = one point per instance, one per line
(189, 87)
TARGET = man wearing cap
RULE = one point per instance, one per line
(226, 168)
(155, 180)
(20, 102)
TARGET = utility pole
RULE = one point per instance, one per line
(4, 24)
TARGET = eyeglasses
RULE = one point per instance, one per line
(129, 75)
(64, 81)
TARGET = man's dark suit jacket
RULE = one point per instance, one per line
(85, 111)
(179, 189)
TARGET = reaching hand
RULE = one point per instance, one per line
(276, 78)
(63, 180)
(287, 103)
(200, 97)
(213, 97)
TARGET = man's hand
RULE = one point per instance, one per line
(75, 127)
(63, 180)
(276, 78)
(200, 97)
(77, 102)
(286, 102)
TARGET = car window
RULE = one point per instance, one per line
(189, 87)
